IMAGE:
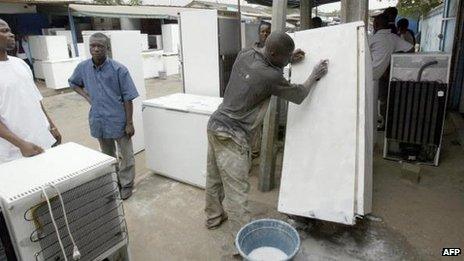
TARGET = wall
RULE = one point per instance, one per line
(10, 8)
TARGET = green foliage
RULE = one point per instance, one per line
(416, 8)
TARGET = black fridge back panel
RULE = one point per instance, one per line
(416, 111)
(7, 252)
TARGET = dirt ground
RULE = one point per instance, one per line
(412, 221)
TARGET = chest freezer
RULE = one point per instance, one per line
(57, 72)
(176, 141)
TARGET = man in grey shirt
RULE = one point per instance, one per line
(256, 76)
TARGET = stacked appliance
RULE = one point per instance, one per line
(64, 202)
(51, 60)
(416, 107)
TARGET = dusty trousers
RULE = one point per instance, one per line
(126, 167)
(227, 184)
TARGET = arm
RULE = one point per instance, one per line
(53, 129)
(76, 82)
(27, 149)
(128, 93)
(82, 92)
(129, 108)
(296, 93)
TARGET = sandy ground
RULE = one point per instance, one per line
(165, 218)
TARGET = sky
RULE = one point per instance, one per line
(373, 4)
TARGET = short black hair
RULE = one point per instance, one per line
(263, 23)
(317, 21)
(403, 22)
(381, 20)
(280, 42)
(391, 12)
(100, 36)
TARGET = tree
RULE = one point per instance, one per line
(416, 8)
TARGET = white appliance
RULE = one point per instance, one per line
(210, 43)
(144, 42)
(153, 63)
(38, 69)
(327, 166)
(48, 47)
(69, 40)
(176, 137)
(51, 31)
(418, 92)
(57, 72)
(126, 49)
(94, 217)
(170, 63)
(170, 34)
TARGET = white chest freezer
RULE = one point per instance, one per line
(57, 72)
(152, 63)
(48, 47)
(176, 140)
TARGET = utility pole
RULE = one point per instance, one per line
(271, 123)
(306, 7)
(354, 10)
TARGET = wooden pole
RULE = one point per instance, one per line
(72, 26)
(305, 14)
(270, 125)
(354, 10)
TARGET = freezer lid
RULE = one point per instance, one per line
(26, 175)
(186, 103)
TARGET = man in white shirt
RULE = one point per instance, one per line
(383, 43)
(25, 128)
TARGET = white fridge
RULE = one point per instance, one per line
(327, 166)
(176, 135)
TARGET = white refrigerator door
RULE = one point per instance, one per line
(200, 52)
(325, 159)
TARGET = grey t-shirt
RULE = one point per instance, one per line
(252, 83)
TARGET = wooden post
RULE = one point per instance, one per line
(72, 26)
(305, 14)
(270, 125)
(354, 10)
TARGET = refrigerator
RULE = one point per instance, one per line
(210, 42)
(176, 136)
(68, 191)
(327, 165)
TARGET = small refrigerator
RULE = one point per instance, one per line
(176, 141)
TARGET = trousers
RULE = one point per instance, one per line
(227, 185)
(126, 166)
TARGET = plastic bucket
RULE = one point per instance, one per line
(267, 233)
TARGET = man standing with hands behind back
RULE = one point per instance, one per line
(108, 87)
